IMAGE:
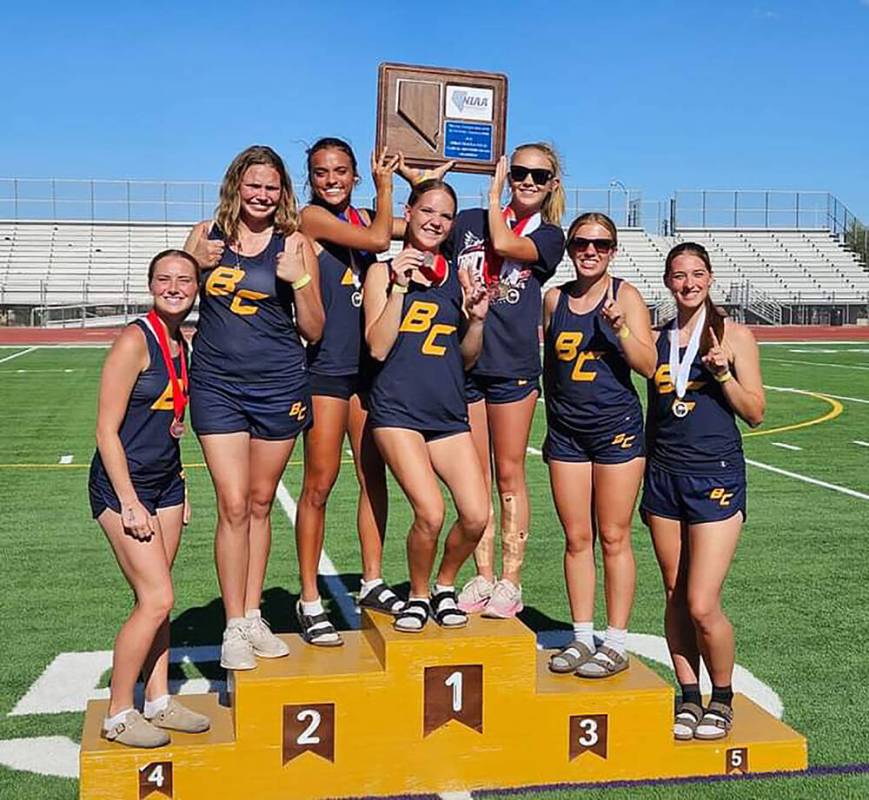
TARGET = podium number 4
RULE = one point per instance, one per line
(155, 777)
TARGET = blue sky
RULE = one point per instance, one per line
(659, 95)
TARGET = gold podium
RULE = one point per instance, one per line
(438, 711)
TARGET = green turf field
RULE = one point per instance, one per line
(796, 593)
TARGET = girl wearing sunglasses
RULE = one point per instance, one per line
(596, 330)
(513, 250)
(708, 372)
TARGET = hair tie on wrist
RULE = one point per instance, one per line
(302, 282)
(397, 288)
(724, 377)
(624, 332)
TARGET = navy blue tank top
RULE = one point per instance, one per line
(589, 382)
(704, 439)
(342, 273)
(421, 384)
(153, 455)
(247, 330)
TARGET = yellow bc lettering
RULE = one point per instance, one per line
(164, 401)
(429, 347)
(419, 317)
(722, 496)
(624, 440)
(223, 281)
(567, 349)
(664, 384)
(347, 278)
(238, 306)
(299, 410)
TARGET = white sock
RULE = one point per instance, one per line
(616, 639)
(154, 707)
(236, 622)
(312, 608)
(367, 586)
(110, 722)
(584, 632)
(253, 613)
(438, 588)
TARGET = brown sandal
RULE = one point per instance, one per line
(571, 657)
(716, 722)
(688, 716)
(612, 663)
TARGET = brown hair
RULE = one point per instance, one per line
(553, 206)
(714, 315)
(598, 218)
(286, 219)
(172, 253)
(430, 185)
(329, 143)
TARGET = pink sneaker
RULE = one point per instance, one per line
(475, 594)
(506, 601)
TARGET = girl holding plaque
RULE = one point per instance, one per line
(137, 496)
(346, 241)
(596, 332)
(424, 325)
(250, 397)
(513, 250)
(708, 372)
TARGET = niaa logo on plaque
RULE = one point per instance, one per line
(468, 102)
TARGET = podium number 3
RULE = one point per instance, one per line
(590, 737)
(454, 682)
(313, 717)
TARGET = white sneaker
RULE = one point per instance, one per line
(475, 595)
(505, 602)
(236, 652)
(265, 644)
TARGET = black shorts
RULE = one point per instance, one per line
(266, 411)
(499, 390)
(693, 498)
(616, 443)
(165, 494)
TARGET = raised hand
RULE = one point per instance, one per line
(291, 262)
(413, 176)
(612, 312)
(382, 169)
(718, 358)
(499, 179)
(476, 296)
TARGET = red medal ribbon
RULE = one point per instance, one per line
(437, 271)
(494, 262)
(179, 388)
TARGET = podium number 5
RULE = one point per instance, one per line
(306, 737)
(454, 681)
(591, 738)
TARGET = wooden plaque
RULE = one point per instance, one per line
(434, 115)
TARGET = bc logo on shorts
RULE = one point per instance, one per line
(299, 410)
(624, 440)
(722, 496)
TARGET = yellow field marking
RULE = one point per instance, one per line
(87, 466)
(836, 409)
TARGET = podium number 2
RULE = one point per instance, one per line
(454, 681)
(314, 718)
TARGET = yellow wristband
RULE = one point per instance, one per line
(397, 288)
(623, 332)
(724, 377)
(302, 282)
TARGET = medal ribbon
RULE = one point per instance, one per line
(353, 217)
(494, 262)
(179, 388)
(680, 370)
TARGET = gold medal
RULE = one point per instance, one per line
(680, 409)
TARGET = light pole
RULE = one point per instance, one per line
(617, 184)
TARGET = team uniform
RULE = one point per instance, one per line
(696, 468)
(249, 371)
(420, 385)
(509, 365)
(337, 362)
(153, 455)
(593, 412)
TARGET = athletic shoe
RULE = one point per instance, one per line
(136, 731)
(475, 594)
(236, 652)
(265, 644)
(506, 601)
(176, 717)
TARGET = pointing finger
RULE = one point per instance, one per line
(715, 342)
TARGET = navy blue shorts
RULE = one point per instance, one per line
(266, 411)
(693, 498)
(428, 434)
(614, 444)
(499, 390)
(163, 495)
(341, 386)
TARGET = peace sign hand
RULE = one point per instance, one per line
(476, 297)
(612, 312)
(718, 357)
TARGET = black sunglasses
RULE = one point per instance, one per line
(601, 245)
(540, 176)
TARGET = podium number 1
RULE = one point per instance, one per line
(454, 681)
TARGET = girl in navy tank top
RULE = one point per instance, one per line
(250, 396)
(346, 241)
(708, 372)
(596, 330)
(138, 497)
(424, 324)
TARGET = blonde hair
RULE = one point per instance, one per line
(286, 219)
(598, 218)
(555, 203)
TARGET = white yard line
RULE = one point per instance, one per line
(17, 355)
(861, 443)
(786, 446)
(862, 367)
(826, 394)
(807, 479)
(65, 459)
(534, 451)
